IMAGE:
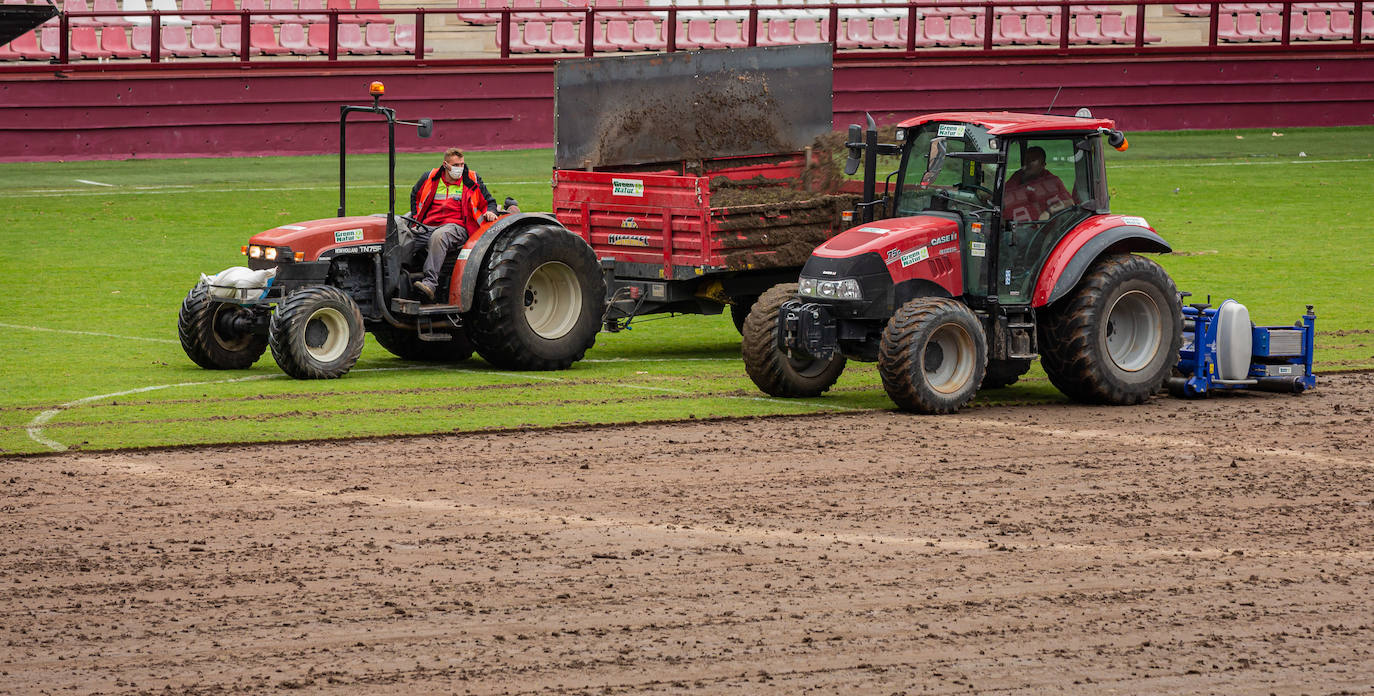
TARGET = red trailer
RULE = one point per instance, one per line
(673, 241)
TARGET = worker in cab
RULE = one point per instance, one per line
(449, 202)
(1033, 192)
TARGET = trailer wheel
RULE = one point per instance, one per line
(316, 333)
(933, 355)
(406, 345)
(1004, 373)
(210, 332)
(739, 311)
(772, 370)
(1115, 339)
(539, 301)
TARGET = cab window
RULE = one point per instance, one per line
(958, 184)
(1046, 176)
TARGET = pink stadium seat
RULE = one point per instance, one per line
(616, 37)
(312, 6)
(262, 38)
(351, 40)
(966, 29)
(775, 32)
(476, 8)
(173, 42)
(206, 40)
(1121, 29)
(377, 35)
(259, 7)
(810, 30)
(116, 41)
(1042, 28)
(730, 34)
(199, 5)
(648, 36)
(86, 44)
(405, 38)
(1343, 23)
(346, 15)
(1084, 29)
(567, 35)
(113, 19)
(28, 48)
(374, 6)
(530, 10)
(225, 6)
(696, 33)
(317, 37)
(285, 11)
(538, 36)
(231, 37)
(885, 33)
(1194, 10)
(1010, 30)
(79, 6)
(293, 38)
(1319, 24)
(856, 34)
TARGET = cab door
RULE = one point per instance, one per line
(1047, 190)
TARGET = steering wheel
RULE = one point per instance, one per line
(962, 186)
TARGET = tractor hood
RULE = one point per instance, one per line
(314, 238)
(890, 239)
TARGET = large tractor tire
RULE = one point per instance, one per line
(316, 333)
(1004, 373)
(933, 355)
(1114, 339)
(209, 337)
(539, 301)
(772, 370)
(406, 345)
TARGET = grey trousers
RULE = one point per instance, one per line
(444, 238)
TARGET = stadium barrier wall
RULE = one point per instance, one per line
(227, 112)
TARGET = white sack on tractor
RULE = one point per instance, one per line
(239, 283)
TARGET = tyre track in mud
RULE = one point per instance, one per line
(1217, 546)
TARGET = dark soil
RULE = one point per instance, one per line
(1220, 546)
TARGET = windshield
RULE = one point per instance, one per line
(959, 183)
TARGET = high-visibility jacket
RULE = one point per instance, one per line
(476, 198)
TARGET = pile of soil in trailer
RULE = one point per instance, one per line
(775, 223)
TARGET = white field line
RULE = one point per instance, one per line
(170, 189)
(86, 333)
(94, 183)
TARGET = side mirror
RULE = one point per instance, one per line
(1117, 139)
(426, 127)
(938, 150)
(855, 145)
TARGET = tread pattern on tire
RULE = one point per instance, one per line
(286, 334)
(769, 367)
(406, 345)
(903, 377)
(195, 328)
(1069, 334)
(501, 333)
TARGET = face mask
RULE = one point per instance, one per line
(455, 171)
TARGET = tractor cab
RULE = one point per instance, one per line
(1019, 186)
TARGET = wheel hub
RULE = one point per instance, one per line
(553, 300)
(1133, 331)
(948, 359)
(326, 334)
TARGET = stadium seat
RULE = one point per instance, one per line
(70, 6)
(1120, 29)
(262, 38)
(729, 33)
(966, 29)
(292, 37)
(285, 11)
(377, 35)
(856, 34)
(259, 10)
(198, 6)
(808, 30)
(405, 38)
(170, 19)
(351, 40)
(231, 37)
(225, 6)
(346, 16)
(205, 39)
(373, 6)
(173, 42)
(85, 44)
(1042, 28)
(566, 35)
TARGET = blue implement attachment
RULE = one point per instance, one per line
(1222, 349)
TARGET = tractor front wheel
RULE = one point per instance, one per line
(406, 345)
(933, 355)
(739, 310)
(215, 335)
(1115, 339)
(773, 371)
(539, 301)
(316, 333)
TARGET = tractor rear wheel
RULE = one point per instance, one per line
(1004, 373)
(539, 301)
(211, 333)
(406, 345)
(316, 333)
(1115, 339)
(775, 372)
(933, 355)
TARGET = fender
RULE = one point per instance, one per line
(477, 248)
(1084, 244)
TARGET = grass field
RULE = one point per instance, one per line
(98, 256)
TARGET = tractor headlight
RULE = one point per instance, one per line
(847, 289)
(254, 252)
(270, 253)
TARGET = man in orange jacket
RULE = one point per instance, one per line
(449, 201)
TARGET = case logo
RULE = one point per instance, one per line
(627, 187)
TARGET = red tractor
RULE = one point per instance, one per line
(524, 292)
(974, 265)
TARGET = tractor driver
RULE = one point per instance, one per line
(1033, 193)
(448, 202)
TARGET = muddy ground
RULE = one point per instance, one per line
(1221, 546)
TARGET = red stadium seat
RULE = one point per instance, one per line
(261, 37)
(809, 30)
(966, 29)
(377, 35)
(856, 33)
(231, 37)
(293, 38)
(86, 44)
(373, 6)
(1009, 29)
(206, 40)
(225, 6)
(259, 8)
(113, 19)
(567, 35)
(885, 33)
(79, 6)
(729, 33)
(116, 40)
(199, 5)
(351, 40)
(312, 6)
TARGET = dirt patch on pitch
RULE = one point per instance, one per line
(1217, 546)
